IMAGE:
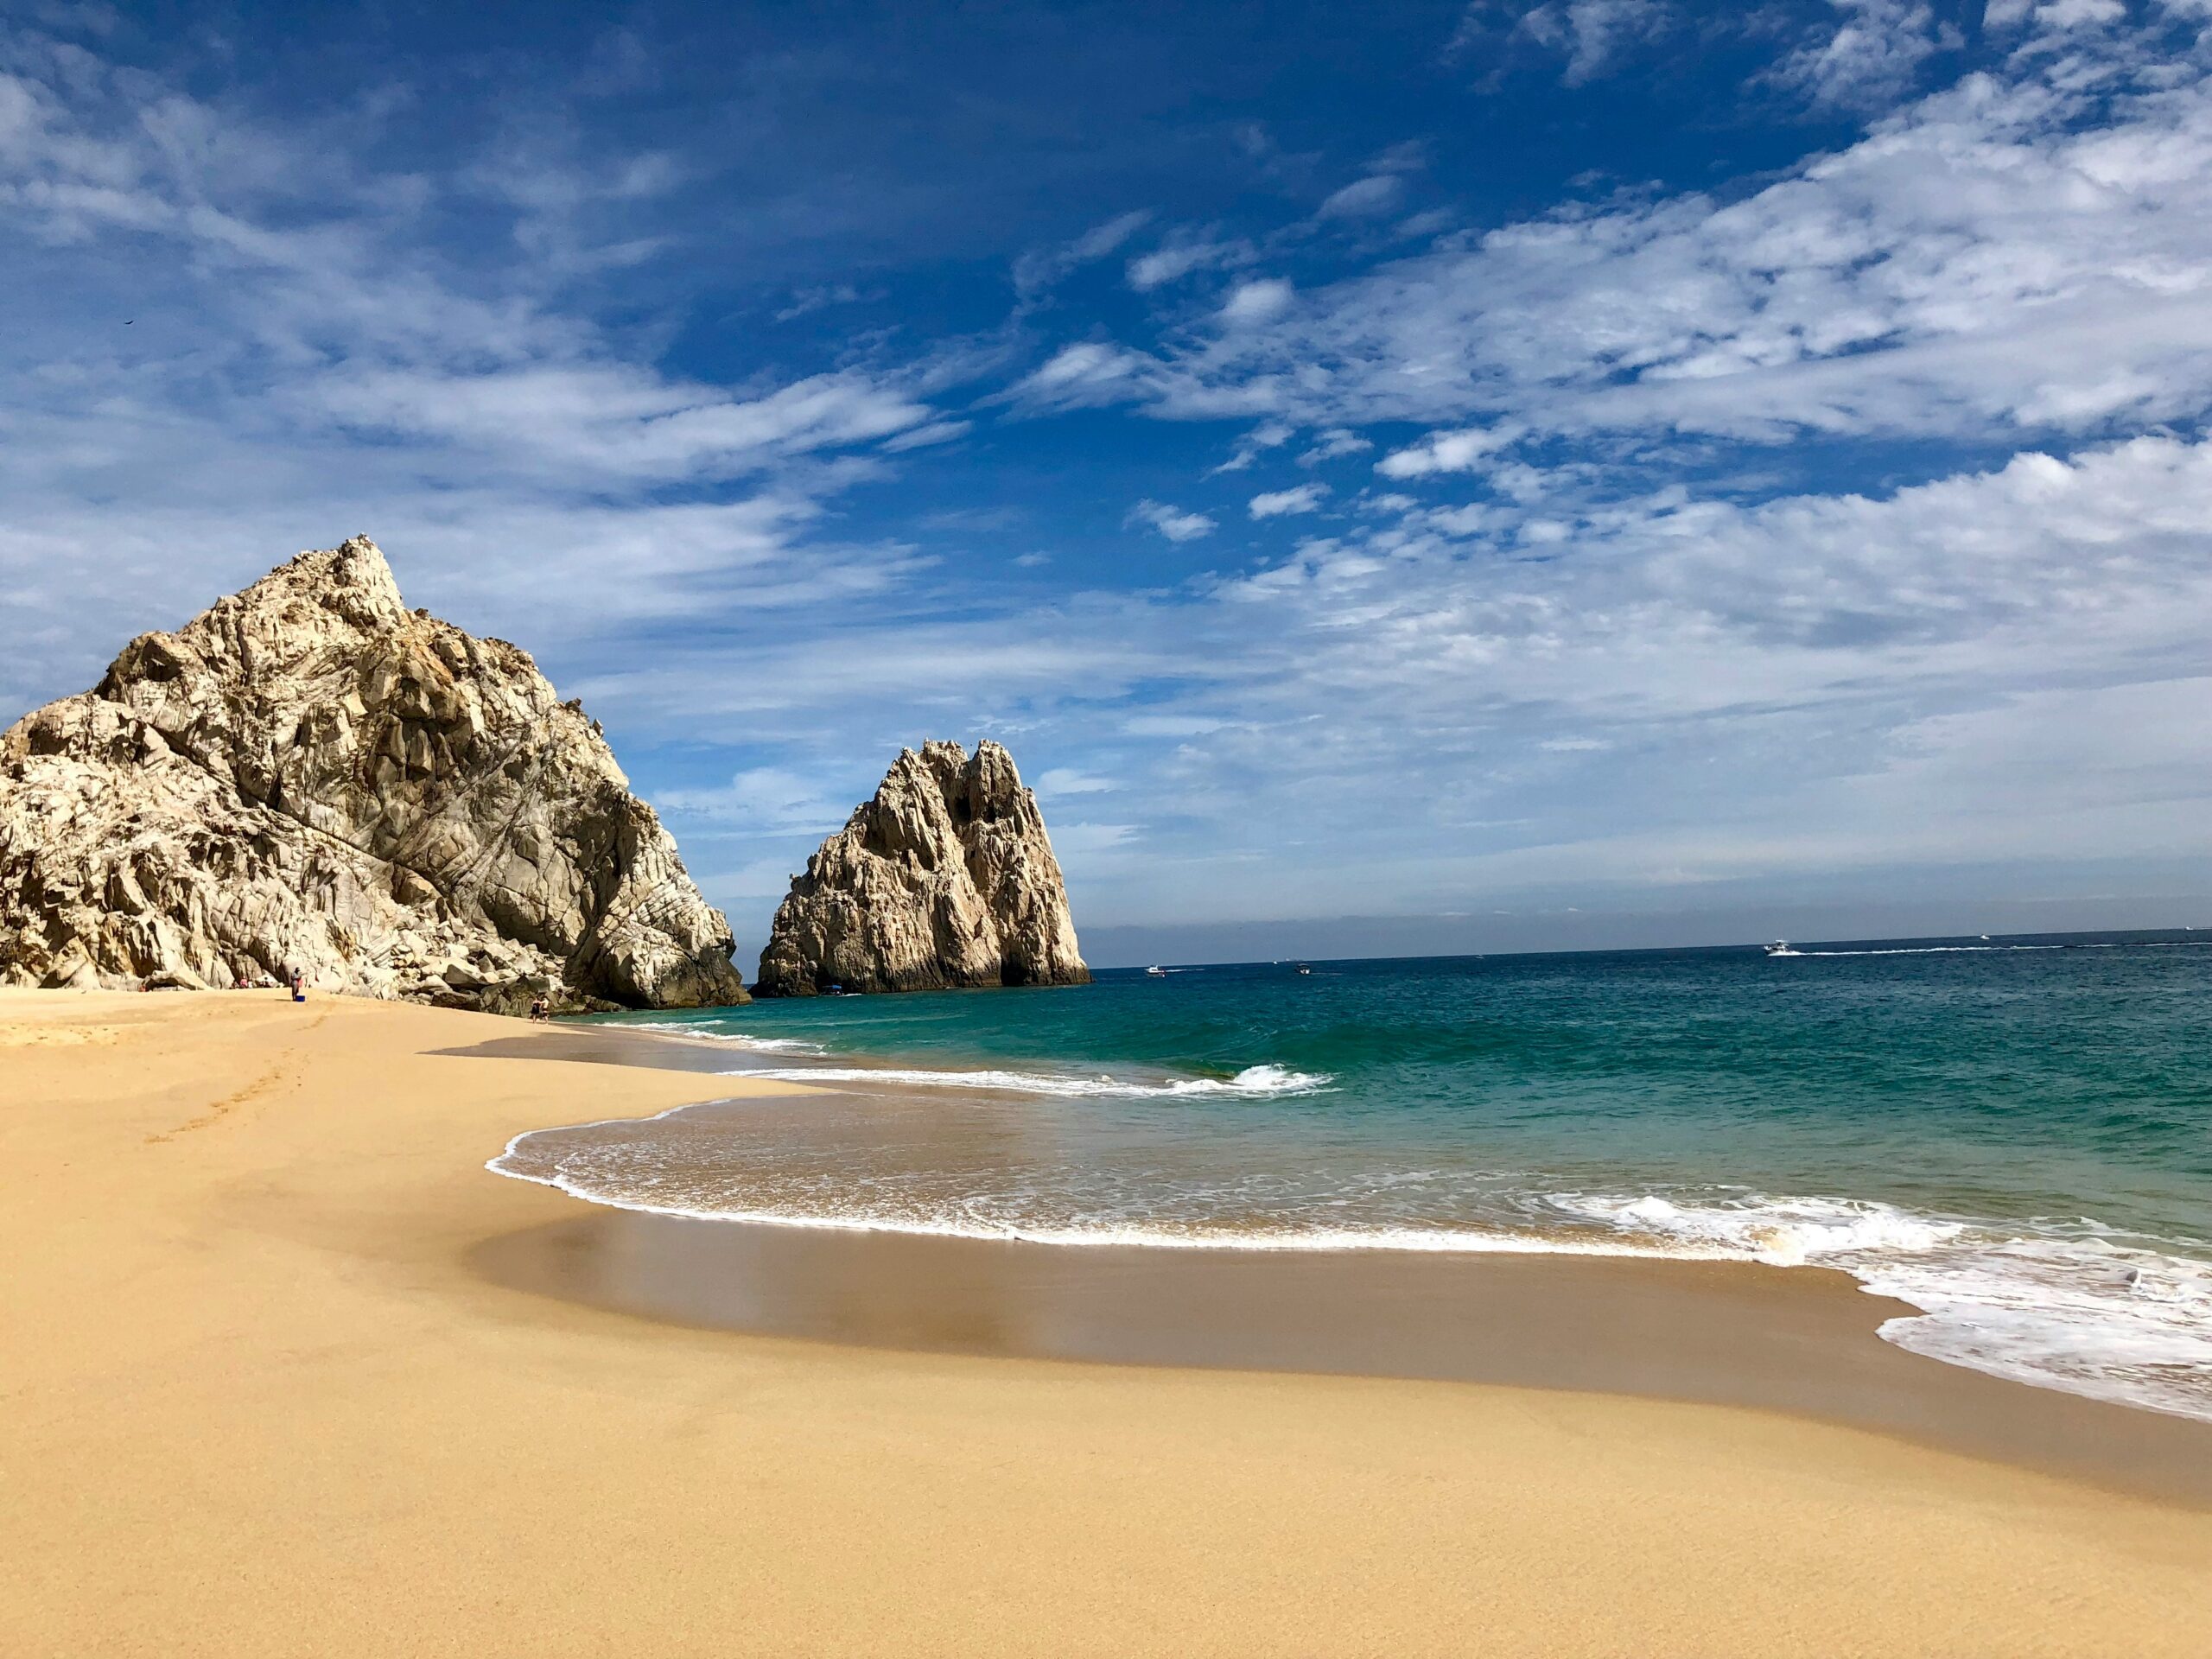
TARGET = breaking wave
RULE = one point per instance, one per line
(2063, 1304)
(733, 1038)
(1255, 1081)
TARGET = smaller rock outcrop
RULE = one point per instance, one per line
(945, 878)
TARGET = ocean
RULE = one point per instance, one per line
(2014, 1136)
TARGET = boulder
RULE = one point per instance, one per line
(944, 878)
(309, 775)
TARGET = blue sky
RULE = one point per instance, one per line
(1514, 474)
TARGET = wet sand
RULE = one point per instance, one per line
(258, 1398)
(1791, 1339)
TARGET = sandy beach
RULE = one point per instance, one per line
(275, 1383)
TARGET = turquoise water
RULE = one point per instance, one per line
(2015, 1136)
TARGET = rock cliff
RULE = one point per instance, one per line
(945, 878)
(310, 776)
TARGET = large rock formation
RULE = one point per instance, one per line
(945, 878)
(309, 776)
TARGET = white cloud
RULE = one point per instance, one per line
(924, 437)
(1070, 780)
(1090, 372)
(1257, 302)
(1447, 452)
(1278, 504)
(1595, 34)
(2053, 14)
(762, 800)
(761, 878)
(1178, 257)
(1172, 522)
(609, 420)
(1171, 725)
(1269, 435)
(1870, 57)
(807, 301)
(1329, 445)
(1085, 840)
(1376, 194)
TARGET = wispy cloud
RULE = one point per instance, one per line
(1332, 444)
(1036, 272)
(1173, 522)
(1180, 256)
(1990, 259)
(1279, 504)
(1594, 34)
(1068, 780)
(762, 801)
(1870, 57)
(1268, 434)
(1378, 193)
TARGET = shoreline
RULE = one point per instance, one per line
(1801, 1339)
(266, 1401)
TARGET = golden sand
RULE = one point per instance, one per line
(255, 1399)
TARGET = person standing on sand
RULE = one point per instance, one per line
(299, 986)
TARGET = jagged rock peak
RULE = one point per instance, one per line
(944, 878)
(309, 775)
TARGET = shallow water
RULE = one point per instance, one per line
(2015, 1137)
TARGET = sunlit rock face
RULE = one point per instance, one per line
(310, 776)
(944, 878)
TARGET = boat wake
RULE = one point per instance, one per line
(1782, 949)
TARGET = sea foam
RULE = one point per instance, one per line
(734, 1038)
(1255, 1081)
(2059, 1305)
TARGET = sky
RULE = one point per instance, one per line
(1406, 477)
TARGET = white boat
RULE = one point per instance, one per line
(1155, 972)
(1780, 948)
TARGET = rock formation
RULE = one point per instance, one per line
(946, 878)
(310, 776)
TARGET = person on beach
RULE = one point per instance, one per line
(538, 1008)
(299, 986)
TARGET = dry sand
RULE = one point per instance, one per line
(255, 1398)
